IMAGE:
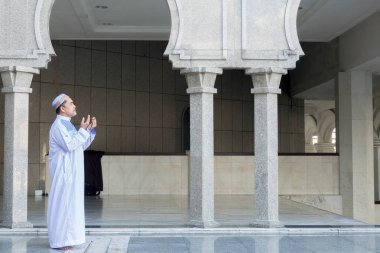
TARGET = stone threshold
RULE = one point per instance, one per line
(299, 230)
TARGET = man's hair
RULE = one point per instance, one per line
(58, 110)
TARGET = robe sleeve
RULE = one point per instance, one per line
(89, 140)
(69, 142)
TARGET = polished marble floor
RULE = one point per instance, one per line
(172, 211)
(203, 244)
(231, 212)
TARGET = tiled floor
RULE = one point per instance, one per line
(172, 211)
(204, 244)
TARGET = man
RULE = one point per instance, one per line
(65, 216)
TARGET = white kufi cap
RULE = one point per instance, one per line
(59, 100)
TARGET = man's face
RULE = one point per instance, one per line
(68, 108)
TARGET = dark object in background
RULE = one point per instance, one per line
(93, 177)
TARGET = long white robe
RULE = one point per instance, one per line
(65, 216)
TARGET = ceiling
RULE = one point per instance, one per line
(318, 20)
(323, 91)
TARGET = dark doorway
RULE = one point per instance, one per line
(186, 129)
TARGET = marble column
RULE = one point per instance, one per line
(266, 88)
(16, 87)
(325, 147)
(356, 154)
(267, 244)
(376, 153)
(205, 244)
(200, 83)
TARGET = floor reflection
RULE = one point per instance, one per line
(360, 243)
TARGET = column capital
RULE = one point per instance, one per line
(201, 80)
(265, 71)
(17, 79)
(19, 69)
(16, 90)
(266, 80)
(193, 90)
(217, 71)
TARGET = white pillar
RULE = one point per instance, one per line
(16, 86)
(200, 83)
(267, 244)
(266, 88)
(355, 114)
(376, 153)
(204, 244)
(17, 244)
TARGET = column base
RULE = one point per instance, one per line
(266, 224)
(203, 224)
(13, 225)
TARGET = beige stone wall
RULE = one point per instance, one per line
(139, 102)
(298, 175)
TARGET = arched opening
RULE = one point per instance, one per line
(311, 134)
(128, 74)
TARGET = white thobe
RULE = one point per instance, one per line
(65, 216)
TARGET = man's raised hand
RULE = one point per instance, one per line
(85, 124)
(93, 123)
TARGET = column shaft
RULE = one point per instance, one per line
(201, 158)
(201, 92)
(376, 153)
(266, 87)
(16, 81)
(356, 155)
(266, 157)
(15, 158)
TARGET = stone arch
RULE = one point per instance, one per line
(376, 116)
(310, 131)
(310, 128)
(33, 47)
(326, 125)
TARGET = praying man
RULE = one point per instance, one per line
(65, 215)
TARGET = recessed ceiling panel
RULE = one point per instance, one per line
(131, 12)
(318, 20)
